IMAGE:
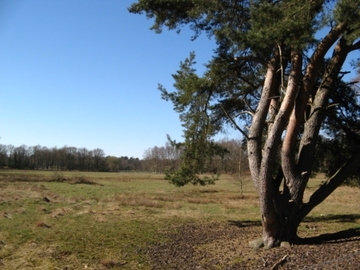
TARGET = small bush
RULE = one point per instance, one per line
(58, 176)
(353, 182)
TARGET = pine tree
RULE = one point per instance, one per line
(271, 73)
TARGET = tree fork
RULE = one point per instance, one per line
(317, 114)
(293, 175)
(272, 217)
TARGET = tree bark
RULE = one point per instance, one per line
(331, 184)
(262, 178)
(294, 177)
(272, 206)
(281, 213)
(258, 124)
(318, 108)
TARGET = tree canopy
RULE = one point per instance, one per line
(277, 76)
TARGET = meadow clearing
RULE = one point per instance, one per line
(86, 220)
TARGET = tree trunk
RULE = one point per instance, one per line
(283, 211)
(288, 215)
(261, 174)
(281, 228)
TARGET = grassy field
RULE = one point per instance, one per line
(79, 220)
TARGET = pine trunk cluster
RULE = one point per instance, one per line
(301, 112)
(272, 79)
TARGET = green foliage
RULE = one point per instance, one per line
(348, 11)
(248, 33)
(186, 175)
(341, 131)
(191, 101)
(332, 154)
(291, 23)
(172, 13)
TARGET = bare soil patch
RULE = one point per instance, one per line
(224, 245)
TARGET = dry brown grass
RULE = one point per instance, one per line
(138, 200)
(42, 224)
(109, 226)
(111, 263)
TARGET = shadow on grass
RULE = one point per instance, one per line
(337, 218)
(244, 223)
(349, 235)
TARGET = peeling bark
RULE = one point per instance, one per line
(281, 213)
(271, 216)
(294, 177)
(317, 113)
(255, 132)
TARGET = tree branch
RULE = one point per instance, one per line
(296, 175)
(355, 46)
(251, 58)
(249, 83)
(259, 119)
(279, 263)
(331, 184)
(247, 104)
(317, 114)
(234, 123)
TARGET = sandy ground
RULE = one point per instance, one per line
(225, 246)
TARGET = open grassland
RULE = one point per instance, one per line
(80, 220)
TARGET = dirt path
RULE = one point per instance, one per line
(225, 246)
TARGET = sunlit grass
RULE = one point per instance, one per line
(111, 221)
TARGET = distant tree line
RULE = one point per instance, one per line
(234, 159)
(168, 157)
(63, 159)
(158, 159)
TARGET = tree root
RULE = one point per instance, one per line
(257, 243)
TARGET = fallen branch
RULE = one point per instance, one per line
(278, 263)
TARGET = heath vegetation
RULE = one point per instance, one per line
(139, 221)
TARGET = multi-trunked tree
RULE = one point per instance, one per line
(276, 76)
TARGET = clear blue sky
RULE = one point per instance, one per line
(84, 73)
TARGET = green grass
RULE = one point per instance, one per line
(110, 222)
